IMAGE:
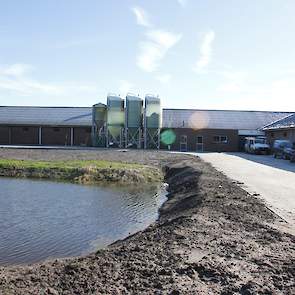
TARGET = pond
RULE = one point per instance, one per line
(45, 219)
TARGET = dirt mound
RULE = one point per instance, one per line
(211, 238)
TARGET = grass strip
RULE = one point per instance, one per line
(83, 171)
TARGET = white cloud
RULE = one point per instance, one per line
(26, 86)
(17, 69)
(164, 78)
(182, 2)
(16, 79)
(125, 87)
(141, 16)
(163, 38)
(205, 51)
(155, 48)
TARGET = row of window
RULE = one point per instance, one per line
(216, 139)
(220, 139)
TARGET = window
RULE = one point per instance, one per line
(220, 139)
(216, 139)
(223, 139)
(183, 143)
(55, 129)
(260, 140)
(200, 139)
(183, 139)
(25, 129)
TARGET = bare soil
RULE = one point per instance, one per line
(212, 237)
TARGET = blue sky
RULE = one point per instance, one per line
(192, 53)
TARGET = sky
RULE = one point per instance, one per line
(192, 53)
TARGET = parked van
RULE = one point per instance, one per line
(256, 145)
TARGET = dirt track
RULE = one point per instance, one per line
(211, 238)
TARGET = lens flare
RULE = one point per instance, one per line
(168, 137)
(199, 120)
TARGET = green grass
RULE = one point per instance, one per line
(83, 171)
(72, 164)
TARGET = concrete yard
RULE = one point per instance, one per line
(273, 179)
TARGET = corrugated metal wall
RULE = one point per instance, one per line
(82, 136)
(29, 135)
(4, 135)
(56, 136)
(24, 135)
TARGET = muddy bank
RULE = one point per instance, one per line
(84, 172)
(211, 238)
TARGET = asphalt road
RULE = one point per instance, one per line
(273, 179)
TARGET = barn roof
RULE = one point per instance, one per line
(62, 116)
(219, 119)
(286, 122)
(172, 118)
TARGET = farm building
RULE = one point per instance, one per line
(45, 126)
(215, 130)
(181, 129)
(281, 129)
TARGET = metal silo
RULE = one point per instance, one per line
(133, 123)
(152, 122)
(99, 116)
(115, 121)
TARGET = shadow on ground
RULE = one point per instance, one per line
(267, 160)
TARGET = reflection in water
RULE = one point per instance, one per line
(45, 219)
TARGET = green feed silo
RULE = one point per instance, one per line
(133, 122)
(115, 121)
(152, 122)
(99, 116)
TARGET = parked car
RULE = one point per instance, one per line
(289, 152)
(257, 145)
(284, 149)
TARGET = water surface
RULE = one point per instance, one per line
(46, 219)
